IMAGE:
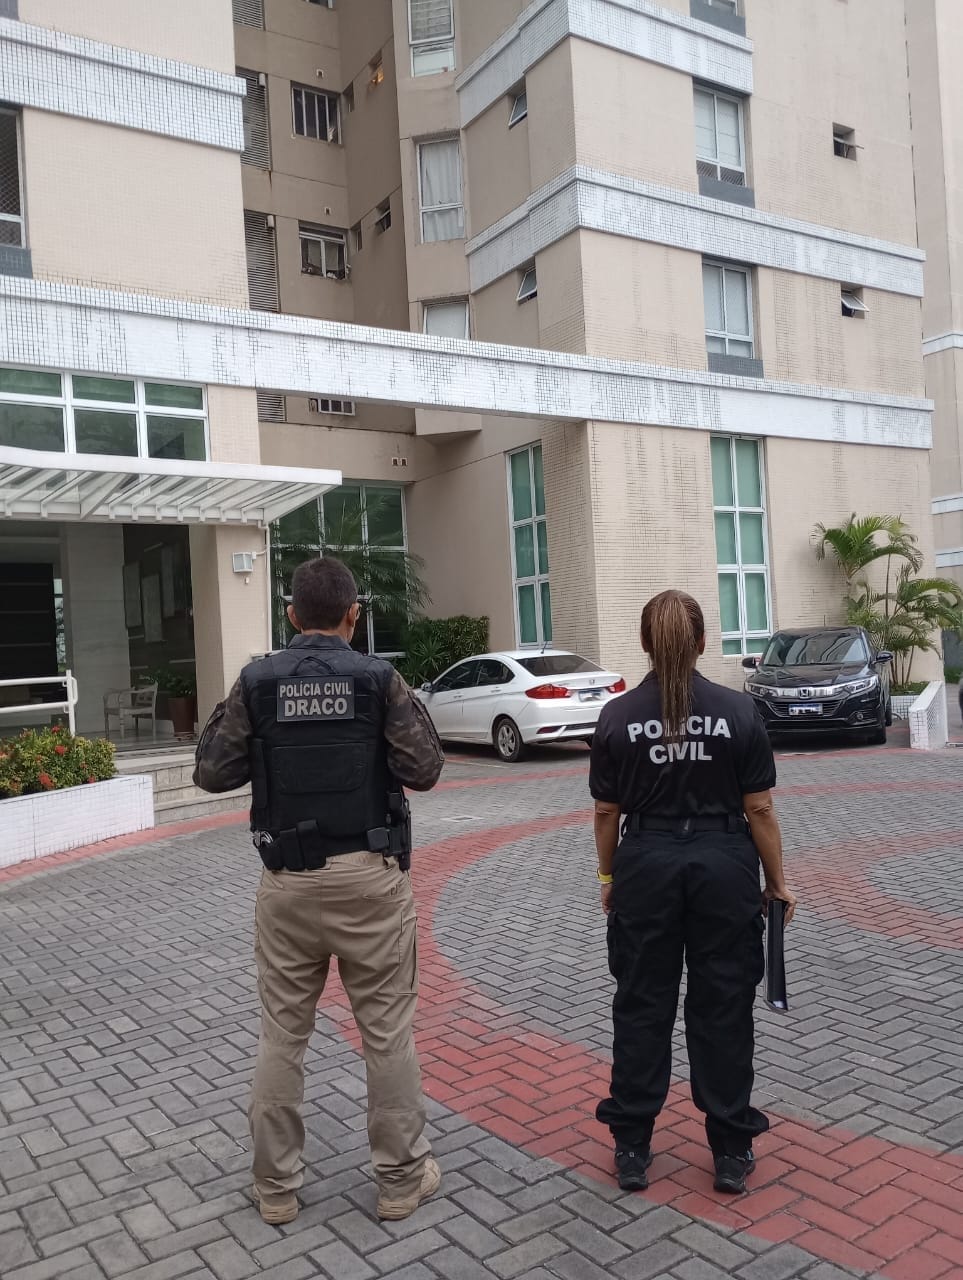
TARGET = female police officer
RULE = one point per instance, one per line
(687, 762)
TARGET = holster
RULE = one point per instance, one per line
(399, 828)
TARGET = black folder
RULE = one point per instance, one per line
(776, 994)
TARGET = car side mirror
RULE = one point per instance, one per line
(884, 655)
(427, 687)
(751, 662)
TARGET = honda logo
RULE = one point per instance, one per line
(805, 693)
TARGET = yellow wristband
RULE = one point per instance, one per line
(603, 879)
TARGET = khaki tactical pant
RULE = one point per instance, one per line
(360, 908)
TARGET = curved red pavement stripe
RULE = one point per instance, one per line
(855, 1201)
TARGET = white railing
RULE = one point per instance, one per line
(43, 707)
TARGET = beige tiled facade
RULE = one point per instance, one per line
(629, 505)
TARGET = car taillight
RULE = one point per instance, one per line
(544, 691)
(618, 687)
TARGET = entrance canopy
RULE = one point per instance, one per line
(65, 486)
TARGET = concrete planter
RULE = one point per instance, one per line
(901, 705)
(55, 821)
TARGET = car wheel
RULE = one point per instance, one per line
(508, 741)
(878, 737)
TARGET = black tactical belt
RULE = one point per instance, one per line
(733, 825)
(302, 848)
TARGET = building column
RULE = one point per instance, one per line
(92, 569)
(231, 610)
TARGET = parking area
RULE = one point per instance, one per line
(128, 1024)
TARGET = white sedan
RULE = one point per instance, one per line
(519, 699)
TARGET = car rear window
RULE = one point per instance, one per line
(556, 664)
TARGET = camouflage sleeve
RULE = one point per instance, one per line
(221, 761)
(415, 756)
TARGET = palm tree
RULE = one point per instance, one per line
(389, 580)
(905, 621)
(854, 547)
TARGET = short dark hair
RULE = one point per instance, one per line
(322, 592)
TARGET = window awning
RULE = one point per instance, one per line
(92, 487)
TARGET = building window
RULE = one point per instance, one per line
(376, 72)
(519, 109)
(383, 220)
(447, 319)
(348, 98)
(83, 413)
(844, 142)
(720, 141)
(728, 304)
(431, 32)
(323, 251)
(533, 599)
(357, 237)
(363, 525)
(11, 181)
(315, 114)
(260, 247)
(442, 212)
(854, 308)
(528, 288)
(248, 13)
(324, 404)
(254, 114)
(324, 4)
(738, 500)
(730, 6)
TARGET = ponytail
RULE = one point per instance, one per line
(672, 630)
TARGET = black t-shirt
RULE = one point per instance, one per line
(725, 755)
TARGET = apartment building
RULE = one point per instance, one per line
(935, 44)
(589, 297)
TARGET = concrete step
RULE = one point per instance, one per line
(200, 805)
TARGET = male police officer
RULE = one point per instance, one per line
(327, 737)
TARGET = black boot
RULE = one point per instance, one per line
(732, 1171)
(631, 1167)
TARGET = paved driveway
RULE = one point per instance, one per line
(128, 1025)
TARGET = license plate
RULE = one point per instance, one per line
(807, 709)
(590, 695)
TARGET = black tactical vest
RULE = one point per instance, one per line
(319, 764)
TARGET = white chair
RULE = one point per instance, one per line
(131, 705)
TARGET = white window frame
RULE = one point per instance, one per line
(332, 102)
(423, 49)
(18, 219)
(750, 640)
(714, 161)
(441, 208)
(528, 287)
(851, 298)
(730, 6)
(325, 236)
(845, 145)
(724, 334)
(519, 111)
(539, 578)
(336, 405)
(447, 302)
(139, 408)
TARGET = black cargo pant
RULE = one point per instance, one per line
(697, 897)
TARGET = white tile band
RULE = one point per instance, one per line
(86, 329)
(588, 199)
(52, 71)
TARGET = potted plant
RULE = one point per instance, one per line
(179, 687)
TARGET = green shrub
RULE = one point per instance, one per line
(50, 760)
(915, 687)
(433, 644)
(952, 675)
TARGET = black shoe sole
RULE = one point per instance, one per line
(635, 1181)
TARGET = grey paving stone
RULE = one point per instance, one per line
(778, 1264)
(524, 1256)
(228, 1260)
(526, 1225)
(117, 1254)
(341, 1263)
(46, 1217)
(729, 1256)
(652, 1261)
(146, 1222)
(15, 1250)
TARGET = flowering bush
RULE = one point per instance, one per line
(50, 759)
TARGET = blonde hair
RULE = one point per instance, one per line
(672, 631)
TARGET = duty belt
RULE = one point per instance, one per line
(304, 848)
(733, 825)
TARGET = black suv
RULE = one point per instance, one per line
(825, 680)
